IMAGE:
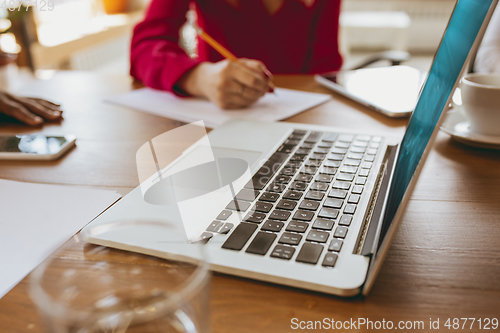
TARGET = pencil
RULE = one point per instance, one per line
(221, 49)
(215, 44)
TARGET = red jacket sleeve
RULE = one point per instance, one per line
(156, 58)
(324, 53)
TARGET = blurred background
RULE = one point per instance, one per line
(94, 35)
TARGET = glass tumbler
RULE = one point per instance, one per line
(86, 288)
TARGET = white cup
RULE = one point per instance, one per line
(481, 103)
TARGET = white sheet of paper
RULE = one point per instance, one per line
(36, 219)
(272, 107)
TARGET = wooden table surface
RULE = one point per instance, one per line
(444, 261)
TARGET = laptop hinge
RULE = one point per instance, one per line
(370, 231)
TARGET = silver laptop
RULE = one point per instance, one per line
(312, 207)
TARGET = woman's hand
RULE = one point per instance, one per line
(229, 84)
(31, 111)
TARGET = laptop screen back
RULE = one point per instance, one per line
(457, 42)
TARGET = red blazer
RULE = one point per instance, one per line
(296, 39)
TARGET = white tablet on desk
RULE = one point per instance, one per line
(392, 91)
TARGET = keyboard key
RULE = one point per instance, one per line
(280, 215)
(349, 169)
(345, 176)
(224, 215)
(309, 205)
(319, 186)
(313, 137)
(297, 157)
(315, 195)
(341, 185)
(287, 149)
(290, 238)
(355, 156)
(325, 144)
(364, 172)
(315, 156)
(240, 236)
(331, 163)
(324, 178)
(366, 165)
(288, 171)
(255, 217)
(299, 132)
(287, 204)
(206, 236)
(303, 178)
(298, 186)
(262, 207)
(357, 189)
(340, 144)
(258, 183)
(359, 143)
(329, 137)
(329, 260)
(309, 170)
(214, 226)
(276, 187)
(341, 151)
(335, 245)
(293, 165)
(307, 145)
(336, 157)
(274, 226)
(225, 228)
(360, 181)
(328, 213)
(336, 193)
(292, 142)
(310, 253)
(353, 198)
(302, 151)
(312, 163)
(295, 137)
(371, 151)
(370, 158)
(238, 205)
(374, 145)
(346, 137)
(323, 224)
(352, 162)
(303, 215)
(271, 197)
(261, 243)
(283, 252)
(282, 179)
(319, 150)
(292, 195)
(317, 236)
(247, 195)
(333, 203)
(350, 209)
(345, 220)
(297, 226)
(358, 149)
(328, 171)
(340, 232)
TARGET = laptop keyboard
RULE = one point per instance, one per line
(302, 199)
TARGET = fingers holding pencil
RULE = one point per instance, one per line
(251, 74)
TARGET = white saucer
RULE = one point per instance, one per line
(457, 126)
